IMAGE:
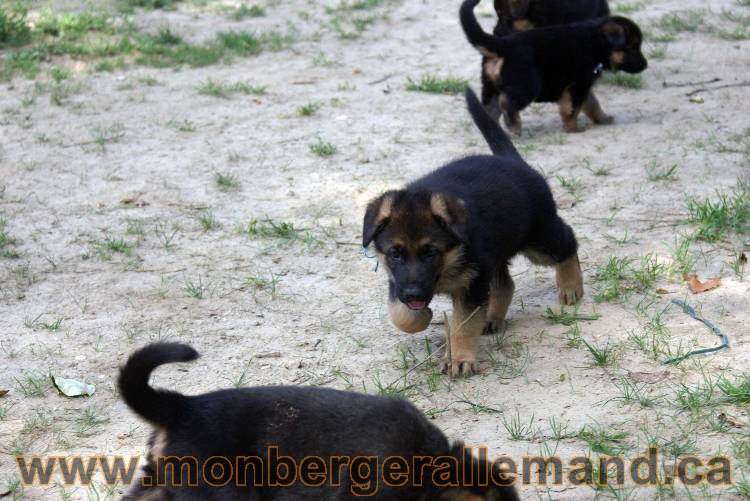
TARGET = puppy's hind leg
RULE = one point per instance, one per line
(555, 245)
(511, 114)
(501, 294)
(593, 110)
(489, 92)
(569, 111)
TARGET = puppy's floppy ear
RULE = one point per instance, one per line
(377, 216)
(450, 213)
(615, 33)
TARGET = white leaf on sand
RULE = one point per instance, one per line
(72, 388)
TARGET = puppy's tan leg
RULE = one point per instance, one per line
(466, 328)
(593, 110)
(408, 320)
(569, 112)
(569, 280)
(501, 294)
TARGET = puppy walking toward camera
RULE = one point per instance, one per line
(329, 444)
(455, 231)
(553, 64)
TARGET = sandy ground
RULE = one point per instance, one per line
(325, 322)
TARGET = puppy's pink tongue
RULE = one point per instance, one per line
(416, 305)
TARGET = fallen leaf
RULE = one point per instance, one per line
(3, 392)
(730, 420)
(72, 388)
(648, 377)
(662, 291)
(696, 286)
(134, 202)
(697, 100)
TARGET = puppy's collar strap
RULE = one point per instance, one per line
(599, 69)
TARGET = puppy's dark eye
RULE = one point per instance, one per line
(396, 253)
(429, 251)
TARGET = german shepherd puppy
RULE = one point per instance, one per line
(553, 64)
(455, 230)
(522, 15)
(287, 426)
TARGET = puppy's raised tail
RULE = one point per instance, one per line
(159, 407)
(496, 138)
(488, 44)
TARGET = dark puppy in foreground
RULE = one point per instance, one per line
(455, 230)
(554, 64)
(522, 15)
(330, 444)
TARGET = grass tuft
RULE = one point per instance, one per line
(728, 213)
(437, 85)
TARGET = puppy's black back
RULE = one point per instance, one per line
(541, 13)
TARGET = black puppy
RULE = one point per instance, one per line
(554, 64)
(455, 230)
(293, 443)
(522, 15)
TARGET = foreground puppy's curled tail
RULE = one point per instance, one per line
(489, 45)
(159, 407)
(496, 138)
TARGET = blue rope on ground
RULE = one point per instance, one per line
(364, 253)
(691, 311)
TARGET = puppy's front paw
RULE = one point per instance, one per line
(572, 126)
(605, 119)
(569, 281)
(459, 366)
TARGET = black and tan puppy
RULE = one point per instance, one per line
(455, 230)
(522, 15)
(554, 64)
(294, 443)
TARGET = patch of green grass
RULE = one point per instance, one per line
(631, 392)
(32, 385)
(14, 28)
(437, 85)
(112, 245)
(735, 392)
(183, 126)
(208, 221)
(602, 440)
(196, 288)
(226, 181)
(323, 149)
(102, 136)
(603, 355)
(308, 109)
(519, 429)
(6, 242)
(225, 89)
(611, 277)
(257, 283)
(695, 398)
(682, 21)
(625, 80)
(268, 228)
(657, 52)
(568, 318)
(130, 5)
(628, 8)
(728, 213)
(246, 11)
(655, 172)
